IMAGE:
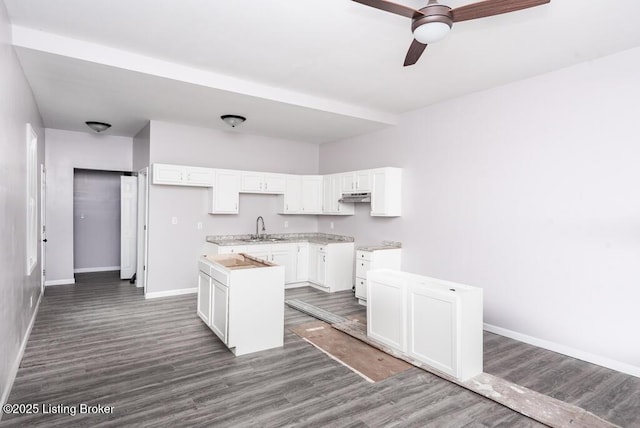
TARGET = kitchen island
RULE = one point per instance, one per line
(240, 298)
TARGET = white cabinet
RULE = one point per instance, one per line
(224, 195)
(247, 305)
(331, 266)
(220, 310)
(286, 255)
(204, 297)
(262, 182)
(302, 195)
(311, 194)
(302, 262)
(436, 322)
(386, 192)
(386, 309)
(331, 193)
(384, 258)
(291, 201)
(356, 181)
(181, 175)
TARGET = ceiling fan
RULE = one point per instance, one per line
(433, 22)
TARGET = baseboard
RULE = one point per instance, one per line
(60, 282)
(97, 269)
(169, 293)
(297, 285)
(566, 350)
(16, 365)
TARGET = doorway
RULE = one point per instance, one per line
(97, 220)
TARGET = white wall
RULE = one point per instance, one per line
(173, 248)
(96, 220)
(529, 191)
(67, 150)
(19, 292)
(141, 148)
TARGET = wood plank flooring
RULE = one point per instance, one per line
(154, 361)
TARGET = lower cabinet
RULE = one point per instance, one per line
(331, 266)
(204, 297)
(220, 310)
(436, 322)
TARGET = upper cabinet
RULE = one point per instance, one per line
(356, 181)
(302, 195)
(298, 194)
(224, 196)
(262, 182)
(331, 193)
(181, 175)
(386, 192)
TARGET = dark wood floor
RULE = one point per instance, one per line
(154, 361)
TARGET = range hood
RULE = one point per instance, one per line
(355, 197)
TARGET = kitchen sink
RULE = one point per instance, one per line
(263, 240)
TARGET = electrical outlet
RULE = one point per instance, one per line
(199, 225)
(174, 220)
(286, 224)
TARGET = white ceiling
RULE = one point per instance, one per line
(312, 70)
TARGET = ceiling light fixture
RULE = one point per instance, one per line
(233, 120)
(98, 126)
(434, 25)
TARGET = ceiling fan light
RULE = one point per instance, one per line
(430, 32)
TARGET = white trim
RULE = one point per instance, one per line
(169, 293)
(297, 285)
(97, 269)
(566, 350)
(16, 365)
(60, 282)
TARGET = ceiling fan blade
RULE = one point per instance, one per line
(486, 8)
(388, 6)
(414, 53)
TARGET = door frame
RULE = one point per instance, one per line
(43, 226)
(143, 229)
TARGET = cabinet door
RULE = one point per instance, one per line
(261, 251)
(293, 195)
(220, 311)
(312, 194)
(168, 174)
(274, 183)
(313, 263)
(386, 310)
(329, 204)
(251, 182)
(225, 192)
(348, 182)
(386, 191)
(432, 332)
(321, 268)
(363, 180)
(285, 255)
(204, 297)
(302, 262)
(197, 176)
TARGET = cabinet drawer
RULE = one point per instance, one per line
(363, 255)
(204, 268)
(362, 266)
(220, 276)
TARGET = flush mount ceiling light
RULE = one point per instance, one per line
(233, 120)
(98, 126)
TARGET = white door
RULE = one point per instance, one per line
(43, 225)
(143, 203)
(128, 219)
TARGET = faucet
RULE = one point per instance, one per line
(257, 223)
